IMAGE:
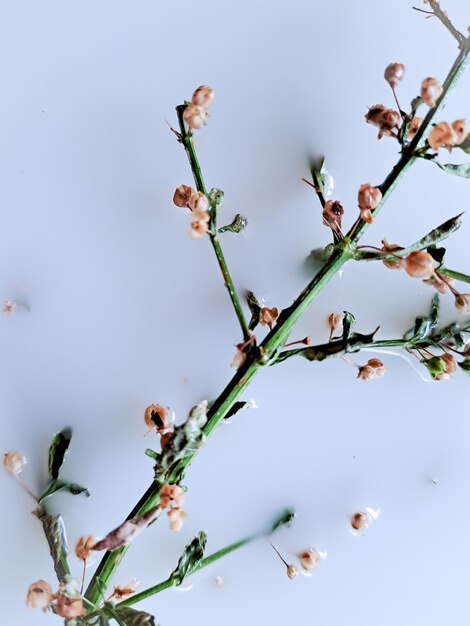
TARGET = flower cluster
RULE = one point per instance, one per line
(66, 602)
(195, 114)
(387, 120)
(198, 204)
(445, 135)
(172, 496)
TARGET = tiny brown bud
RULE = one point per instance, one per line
(84, 547)
(70, 608)
(431, 90)
(442, 135)
(267, 317)
(332, 214)
(413, 128)
(373, 369)
(462, 302)
(449, 362)
(39, 595)
(368, 197)
(13, 462)
(198, 202)
(394, 73)
(375, 114)
(9, 307)
(203, 96)
(335, 321)
(182, 195)
(460, 129)
(420, 264)
(360, 521)
(292, 572)
(195, 116)
(310, 559)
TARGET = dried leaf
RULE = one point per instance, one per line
(57, 451)
(239, 223)
(124, 534)
(191, 557)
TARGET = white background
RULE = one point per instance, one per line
(125, 309)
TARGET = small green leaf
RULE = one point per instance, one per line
(455, 169)
(348, 323)
(191, 557)
(465, 366)
(57, 451)
(284, 521)
(59, 485)
(131, 617)
(436, 235)
(239, 223)
(255, 308)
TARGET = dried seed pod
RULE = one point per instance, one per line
(335, 321)
(420, 264)
(375, 114)
(195, 116)
(171, 494)
(431, 90)
(440, 284)
(332, 214)
(159, 417)
(360, 521)
(70, 608)
(203, 96)
(373, 369)
(13, 462)
(462, 302)
(450, 363)
(267, 317)
(310, 559)
(182, 195)
(394, 73)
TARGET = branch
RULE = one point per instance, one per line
(443, 17)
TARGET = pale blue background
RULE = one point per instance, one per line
(126, 310)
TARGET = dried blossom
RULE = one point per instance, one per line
(200, 224)
(310, 559)
(450, 363)
(203, 96)
(420, 264)
(177, 518)
(460, 129)
(390, 248)
(413, 128)
(171, 494)
(394, 73)
(39, 595)
(373, 369)
(335, 321)
(462, 302)
(368, 199)
(387, 120)
(9, 307)
(68, 607)
(267, 317)
(159, 417)
(442, 135)
(120, 593)
(332, 215)
(195, 116)
(84, 547)
(182, 195)
(292, 572)
(431, 90)
(13, 462)
(360, 521)
(198, 202)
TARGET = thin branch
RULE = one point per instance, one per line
(444, 18)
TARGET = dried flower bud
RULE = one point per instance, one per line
(267, 317)
(391, 121)
(240, 355)
(182, 195)
(171, 494)
(120, 593)
(310, 559)
(373, 369)
(292, 572)
(376, 364)
(394, 73)
(442, 135)
(460, 129)
(9, 307)
(39, 595)
(198, 202)
(195, 116)
(332, 215)
(369, 197)
(420, 264)
(449, 362)
(203, 96)
(431, 90)
(158, 417)
(70, 608)
(375, 114)
(390, 248)
(462, 302)
(200, 225)
(335, 321)
(360, 521)
(84, 547)
(413, 128)
(13, 462)
(177, 518)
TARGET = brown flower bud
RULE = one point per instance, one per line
(13, 462)
(332, 214)
(431, 90)
(394, 73)
(390, 248)
(360, 521)
(267, 317)
(460, 129)
(373, 369)
(420, 264)
(462, 302)
(195, 116)
(70, 608)
(449, 362)
(158, 417)
(182, 195)
(335, 321)
(413, 128)
(171, 494)
(84, 547)
(39, 595)
(442, 135)
(375, 114)
(391, 120)
(310, 559)
(203, 96)
(198, 202)
(292, 572)
(368, 199)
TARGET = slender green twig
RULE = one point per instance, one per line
(186, 139)
(277, 337)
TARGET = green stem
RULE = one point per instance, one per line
(453, 274)
(275, 340)
(171, 582)
(187, 141)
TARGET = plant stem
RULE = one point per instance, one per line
(277, 337)
(187, 141)
(453, 274)
(171, 582)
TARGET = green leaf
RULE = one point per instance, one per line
(348, 323)
(284, 521)
(191, 557)
(465, 145)
(59, 485)
(57, 451)
(131, 617)
(465, 366)
(455, 169)
(436, 235)
(239, 223)
(255, 308)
